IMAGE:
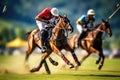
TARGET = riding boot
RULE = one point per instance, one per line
(81, 36)
(43, 37)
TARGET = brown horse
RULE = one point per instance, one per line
(55, 44)
(92, 42)
(31, 46)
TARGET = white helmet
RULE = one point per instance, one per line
(55, 12)
(91, 12)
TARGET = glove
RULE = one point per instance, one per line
(84, 29)
(46, 21)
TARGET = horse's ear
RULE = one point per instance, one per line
(65, 15)
(107, 20)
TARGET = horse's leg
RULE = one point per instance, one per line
(67, 61)
(31, 47)
(59, 53)
(98, 60)
(46, 67)
(75, 58)
(100, 53)
(84, 57)
(52, 61)
(102, 61)
(44, 56)
(29, 51)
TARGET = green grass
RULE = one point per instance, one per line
(87, 71)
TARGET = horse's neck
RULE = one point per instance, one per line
(57, 31)
(57, 28)
(97, 31)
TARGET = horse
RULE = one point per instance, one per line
(92, 42)
(31, 48)
(55, 43)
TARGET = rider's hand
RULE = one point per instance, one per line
(84, 29)
(46, 21)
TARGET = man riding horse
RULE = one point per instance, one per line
(82, 23)
(46, 16)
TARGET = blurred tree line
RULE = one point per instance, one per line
(9, 31)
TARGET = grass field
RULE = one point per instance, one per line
(12, 68)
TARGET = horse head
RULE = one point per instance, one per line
(62, 27)
(66, 23)
(106, 27)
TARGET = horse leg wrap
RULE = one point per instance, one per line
(65, 59)
(75, 57)
(68, 62)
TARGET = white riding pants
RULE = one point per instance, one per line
(79, 28)
(41, 24)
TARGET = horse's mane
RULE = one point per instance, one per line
(27, 33)
(96, 26)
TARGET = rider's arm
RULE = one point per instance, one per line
(41, 16)
(78, 22)
(39, 19)
(81, 20)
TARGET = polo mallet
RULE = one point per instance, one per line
(118, 7)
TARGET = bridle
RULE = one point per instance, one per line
(64, 28)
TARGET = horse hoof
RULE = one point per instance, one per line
(100, 67)
(71, 66)
(34, 70)
(48, 72)
(55, 63)
(97, 62)
(78, 63)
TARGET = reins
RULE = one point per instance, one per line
(64, 29)
(95, 30)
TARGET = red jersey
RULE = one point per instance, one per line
(45, 14)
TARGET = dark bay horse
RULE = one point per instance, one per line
(55, 43)
(92, 43)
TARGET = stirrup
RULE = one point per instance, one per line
(43, 49)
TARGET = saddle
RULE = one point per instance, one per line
(84, 33)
